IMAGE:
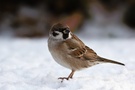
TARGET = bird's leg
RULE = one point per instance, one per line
(67, 78)
(71, 74)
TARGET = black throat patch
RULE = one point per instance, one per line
(65, 36)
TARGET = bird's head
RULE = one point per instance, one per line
(60, 31)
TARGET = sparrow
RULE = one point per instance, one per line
(69, 51)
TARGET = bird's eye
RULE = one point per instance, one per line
(66, 31)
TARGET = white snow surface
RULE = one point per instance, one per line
(26, 64)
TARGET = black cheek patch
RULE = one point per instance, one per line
(55, 34)
(65, 36)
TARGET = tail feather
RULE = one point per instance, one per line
(100, 59)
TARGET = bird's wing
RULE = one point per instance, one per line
(77, 49)
(90, 54)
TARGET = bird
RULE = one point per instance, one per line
(70, 52)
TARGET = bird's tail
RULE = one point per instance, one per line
(104, 60)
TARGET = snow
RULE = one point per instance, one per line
(26, 64)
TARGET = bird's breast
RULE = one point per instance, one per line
(59, 54)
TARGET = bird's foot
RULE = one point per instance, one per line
(67, 78)
(63, 78)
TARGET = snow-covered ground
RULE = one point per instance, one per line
(26, 64)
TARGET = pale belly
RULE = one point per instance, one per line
(71, 63)
(60, 60)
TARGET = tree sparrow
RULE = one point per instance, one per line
(69, 51)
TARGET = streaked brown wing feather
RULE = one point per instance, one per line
(90, 54)
(78, 53)
(84, 54)
(79, 50)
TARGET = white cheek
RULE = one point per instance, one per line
(59, 36)
(69, 36)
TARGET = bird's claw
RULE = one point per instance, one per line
(63, 78)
